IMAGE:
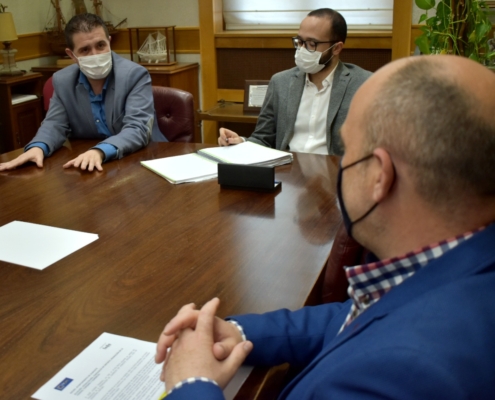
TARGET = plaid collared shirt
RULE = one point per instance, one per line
(369, 282)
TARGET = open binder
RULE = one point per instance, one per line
(202, 165)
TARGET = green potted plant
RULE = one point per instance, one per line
(459, 27)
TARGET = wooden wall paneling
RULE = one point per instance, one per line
(31, 45)
(35, 45)
(186, 40)
(210, 22)
(234, 95)
(282, 40)
(237, 65)
(401, 30)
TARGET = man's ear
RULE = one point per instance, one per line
(338, 48)
(384, 175)
(71, 54)
(109, 38)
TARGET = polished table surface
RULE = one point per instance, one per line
(160, 246)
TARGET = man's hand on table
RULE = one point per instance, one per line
(228, 137)
(35, 154)
(201, 344)
(90, 160)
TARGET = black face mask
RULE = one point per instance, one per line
(345, 216)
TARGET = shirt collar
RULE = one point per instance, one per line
(327, 81)
(83, 79)
(369, 282)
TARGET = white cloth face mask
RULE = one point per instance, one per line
(310, 62)
(96, 66)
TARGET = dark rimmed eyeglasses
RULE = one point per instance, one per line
(310, 45)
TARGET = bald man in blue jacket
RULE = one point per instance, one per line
(417, 189)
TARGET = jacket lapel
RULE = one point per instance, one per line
(296, 87)
(84, 106)
(109, 103)
(339, 86)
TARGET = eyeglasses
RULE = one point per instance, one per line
(309, 44)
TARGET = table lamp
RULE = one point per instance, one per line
(8, 35)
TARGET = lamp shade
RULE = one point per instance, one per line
(7, 27)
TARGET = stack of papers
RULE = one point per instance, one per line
(203, 164)
(21, 98)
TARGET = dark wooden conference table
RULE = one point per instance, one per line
(160, 246)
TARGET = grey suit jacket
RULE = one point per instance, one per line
(275, 126)
(129, 109)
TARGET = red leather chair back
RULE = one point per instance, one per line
(47, 93)
(345, 252)
(175, 113)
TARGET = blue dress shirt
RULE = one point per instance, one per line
(98, 111)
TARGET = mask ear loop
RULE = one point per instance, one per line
(330, 59)
(376, 204)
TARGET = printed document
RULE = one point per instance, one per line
(116, 368)
(112, 367)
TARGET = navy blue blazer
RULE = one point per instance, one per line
(432, 337)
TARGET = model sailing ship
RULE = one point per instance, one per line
(154, 49)
(56, 37)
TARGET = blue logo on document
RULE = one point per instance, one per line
(62, 385)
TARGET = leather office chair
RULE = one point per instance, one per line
(345, 252)
(47, 93)
(175, 113)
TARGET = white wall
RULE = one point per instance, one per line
(416, 14)
(34, 15)
(155, 12)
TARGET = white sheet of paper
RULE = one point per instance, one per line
(38, 246)
(116, 367)
(184, 168)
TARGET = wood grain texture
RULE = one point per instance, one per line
(160, 246)
(401, 30)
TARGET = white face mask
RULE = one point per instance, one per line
(97, 66)
(310, 62)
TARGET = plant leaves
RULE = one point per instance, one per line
(422, 18)
(423, 44)
(482, 30)
(425, 4)
(473, 56)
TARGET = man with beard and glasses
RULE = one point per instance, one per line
(305, 106)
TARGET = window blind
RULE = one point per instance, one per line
(288, 14)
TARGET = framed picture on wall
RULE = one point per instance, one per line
(254, 95)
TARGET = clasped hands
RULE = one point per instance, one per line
(201, 345)
(90, 160)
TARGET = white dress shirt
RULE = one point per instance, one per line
(310, 134)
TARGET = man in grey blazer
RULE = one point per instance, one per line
(305, 106)
(103, 97)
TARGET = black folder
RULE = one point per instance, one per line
(239, 176)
